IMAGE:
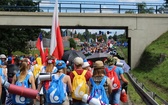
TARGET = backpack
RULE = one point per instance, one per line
(79, 85)
(98, 91)
(37, 70)
(113, 77)
(55, 93)
(17, 99)
(2, 74)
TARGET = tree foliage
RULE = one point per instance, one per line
(129, 12)
(18, 5)
(142, 8)
(15, 38)
(72, 43)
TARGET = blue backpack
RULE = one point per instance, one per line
(17, 99)
(98, 91)
(55, 93)
(2, 74)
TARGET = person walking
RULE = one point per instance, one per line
(97, 78)
(115, 95)
(22, 78)
(44, 85)
(79, 71)
(61, 66)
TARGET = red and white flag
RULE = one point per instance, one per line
(39, 45)
(56, 44)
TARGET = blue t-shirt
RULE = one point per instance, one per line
(118, 70)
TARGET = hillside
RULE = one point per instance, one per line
(153, 67)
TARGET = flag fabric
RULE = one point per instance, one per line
(56, 44)
(46, 52)
(39, 45)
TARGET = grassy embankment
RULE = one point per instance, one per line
(153, 68)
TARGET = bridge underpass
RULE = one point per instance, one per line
(105, 28)
(142, 29)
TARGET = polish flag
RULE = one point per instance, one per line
(56, 44)
(46, 52)
(39, 45)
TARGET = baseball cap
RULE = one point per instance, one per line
(78, 61)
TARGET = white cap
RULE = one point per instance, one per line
(3, 56)
(78, 61)
(85, 64)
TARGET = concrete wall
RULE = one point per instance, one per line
(142, 28)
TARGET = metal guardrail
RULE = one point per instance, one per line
(148, 96)
(66, 6)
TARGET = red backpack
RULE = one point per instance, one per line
(113, 77)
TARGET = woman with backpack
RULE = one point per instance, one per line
(115, 96)
(56, 87)
(48, 69)
(100, 82)
(22, 78)
(61, 66)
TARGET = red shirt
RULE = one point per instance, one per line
(79, 72)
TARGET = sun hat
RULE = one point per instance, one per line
(78, 61)
(3, 56)
(98, 65)
(85, 64)
(60, 64)
(110, 60)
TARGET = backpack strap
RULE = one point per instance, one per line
(92, 82)
(1, 71)
(101, 83)
(107, 70)
(27, 77)
(60, 78)
(103, 80)
(83, 73)
(114, 68)
(17, 74)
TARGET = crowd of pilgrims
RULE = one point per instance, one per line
(11, 66)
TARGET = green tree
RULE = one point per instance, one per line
(110, 37)
(115, 37)
(19, 5)
(142, 8)
(87, 35)
(81, 37)
(15, 39)
(72, 43)
(129, 12)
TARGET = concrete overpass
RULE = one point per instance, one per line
(141, 29)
